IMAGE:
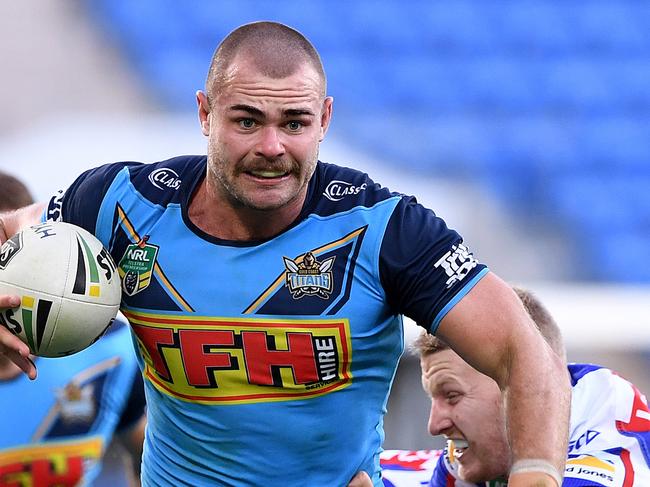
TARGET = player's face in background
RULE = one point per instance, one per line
(264, 135)
(466, 406)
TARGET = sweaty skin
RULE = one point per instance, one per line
(467, 408)
(263, 138)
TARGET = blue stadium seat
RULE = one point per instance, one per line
(455, 27)
(532, 29)
(619, 143)
(622, 257)
(607, 29)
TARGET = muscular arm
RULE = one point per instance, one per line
(11, 345)
(491, 330)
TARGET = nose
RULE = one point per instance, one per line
(439, 419)
(270, 145)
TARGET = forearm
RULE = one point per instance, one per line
(538, 398)
(491, 330)
(133, 440)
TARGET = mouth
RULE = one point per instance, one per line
(456, 448)
(267, 174)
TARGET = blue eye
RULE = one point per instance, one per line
(294, 125)
(247, 123)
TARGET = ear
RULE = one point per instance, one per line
(326, 117)
(204, 112)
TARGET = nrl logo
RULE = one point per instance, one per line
(136, 266)
(309, 277)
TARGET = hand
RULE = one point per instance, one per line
(11, 346)
(361, 479)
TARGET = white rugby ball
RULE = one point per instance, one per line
(68, 284)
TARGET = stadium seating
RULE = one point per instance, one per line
(546, 102)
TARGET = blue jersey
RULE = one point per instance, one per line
(269, 362)
(55, 431)
(609, 435)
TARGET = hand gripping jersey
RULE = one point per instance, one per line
(269, 362)
(55, 431)
(609, 438)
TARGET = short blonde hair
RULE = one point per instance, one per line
(277, 50)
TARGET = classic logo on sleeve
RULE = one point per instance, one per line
(457, 263)
(337, 190)
(234, 360)
(165, 177)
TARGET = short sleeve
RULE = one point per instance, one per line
(424, 266)
(81, 202)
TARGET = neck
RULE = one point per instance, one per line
(228, 220)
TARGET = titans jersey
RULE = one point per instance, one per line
(609, 435)
(269, 362)
(55, 431)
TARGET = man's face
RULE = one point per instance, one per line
(467, 406)
(263, 135)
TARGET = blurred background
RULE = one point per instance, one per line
(524, 123)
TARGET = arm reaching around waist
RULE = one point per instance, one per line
(491, 330)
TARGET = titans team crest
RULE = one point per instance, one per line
(309, 277)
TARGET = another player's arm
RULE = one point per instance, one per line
(130, 430)
(132, 440)
(491, 330)
(11, 345)
(14, 221)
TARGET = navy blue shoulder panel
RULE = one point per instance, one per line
(134, 409)
(82, 200)
(169, 181)
(336, 189)
(161, 183)
(423, 265)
